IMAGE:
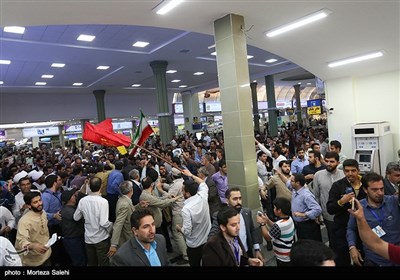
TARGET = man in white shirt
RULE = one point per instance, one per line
(196, 217)
(94, 209)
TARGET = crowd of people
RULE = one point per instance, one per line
(127, 210)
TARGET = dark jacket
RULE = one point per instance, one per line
(253, 233)
(389, 189)
(131, 253)
(217, 252)
(337, 190)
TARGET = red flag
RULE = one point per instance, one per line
(101, 134)
(143, 131)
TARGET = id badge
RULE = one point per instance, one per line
(379, 231)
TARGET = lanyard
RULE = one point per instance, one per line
(236, 250)
(378, 217)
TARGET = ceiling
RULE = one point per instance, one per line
(183, 37)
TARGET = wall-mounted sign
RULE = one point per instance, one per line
(3, 134)
(40, 131)
(178, 108)
(74, 128)
(122, 125)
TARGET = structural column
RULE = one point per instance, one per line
(61, 135)
(272, 110)
(256, 116)
(101, 111)
(191, 110)
(233, 74)
(165, 120)
(298, 104)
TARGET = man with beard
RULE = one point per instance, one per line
(226, 248)
(33, 233)
(322, 183)
(383, 217)
(146, 248)
(339, 201)
(250, 235)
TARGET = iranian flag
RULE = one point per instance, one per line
(143, 131)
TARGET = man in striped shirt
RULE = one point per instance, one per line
(281, 232)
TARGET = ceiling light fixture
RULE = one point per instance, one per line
(214, 53)
(102, 67)
(47, 76)
(136, 85)
(171, 71)
(166, 5)
(58, 65)
(272, 60)
(77, 84)
(299, 22)
(250, 56)
(86, 38)
(40, 83)
(14, 29)
(140, 44)
(5, 61)
(183, 86)
(355, 59)
(1, 82)
(198, 73)
(175, 81)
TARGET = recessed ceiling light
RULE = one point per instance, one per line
(166, 5)
(175, 81)
(299, 22)
(136, 85)
(355, 59)
(308, 84)
(5, 61)
(171, 71)
(86, 38)
(249, 56)
(183, 86)
(14, 29)
(140, 44)
(58, 65)
(299, 83)
(47, 76)
(1, 82)
(40, 83)
(198, 73)
(77, 84)
(214, 53)
(102, 67)
(271, 60)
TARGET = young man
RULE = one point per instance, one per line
(281, 232)
(33, 232)
(383, 217)
(387, 250)
(250, 235)
(226, 248)
(146, 248)
(196, 217)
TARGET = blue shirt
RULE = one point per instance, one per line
(114, 179)
(387, 215)
(298, 165)
(151, 254)
(304, 201)
(51, 205)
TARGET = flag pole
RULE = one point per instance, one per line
(155, 155)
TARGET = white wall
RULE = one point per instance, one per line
(26, 107)
(372, 98)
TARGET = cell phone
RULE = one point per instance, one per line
(259, 213)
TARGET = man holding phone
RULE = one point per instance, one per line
(383, 217)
